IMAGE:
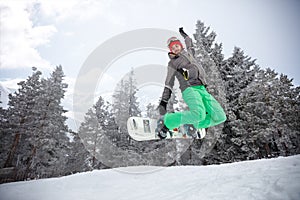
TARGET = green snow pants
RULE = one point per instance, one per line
(204, 110)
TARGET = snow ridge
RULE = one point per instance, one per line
(260, 179)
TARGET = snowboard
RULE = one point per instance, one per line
(143, 129)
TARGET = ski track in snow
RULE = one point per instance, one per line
(258, 180)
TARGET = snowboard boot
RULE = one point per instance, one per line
(201, 132)
(190, 130)
(161, 130)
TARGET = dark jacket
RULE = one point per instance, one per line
(183, 62)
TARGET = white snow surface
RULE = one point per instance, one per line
(260, 180)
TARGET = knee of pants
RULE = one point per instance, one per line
(221, 117)
(198, 114)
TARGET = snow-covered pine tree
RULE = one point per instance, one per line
(110, 126)
(151, 111)
(237, 72)
(51, 139)
(205, 38)
(125, 105)
(121, 105)
(207, 56)
(134, 109)
(21, 116)
(288, 105)
(210, 58)
(258, 102)
(6, 137)
(218, 56)
(78, 158)
(94, 128)
(36, 120)
(267, 108)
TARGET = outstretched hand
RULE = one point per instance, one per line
(182, 33)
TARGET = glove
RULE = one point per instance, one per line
(182, 33)
(162, 108)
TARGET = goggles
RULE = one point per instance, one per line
(172, 39)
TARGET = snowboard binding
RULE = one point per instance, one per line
(190, 130)
(161, 130)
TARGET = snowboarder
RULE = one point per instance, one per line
(204, 110)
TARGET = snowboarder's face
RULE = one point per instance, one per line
(176, 48)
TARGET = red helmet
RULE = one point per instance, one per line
(172, 41)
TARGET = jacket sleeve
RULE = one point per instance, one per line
(169, 83)
(189, 45)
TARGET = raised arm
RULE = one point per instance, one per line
(188, 42)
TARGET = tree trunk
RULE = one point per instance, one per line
(8, 162)
(30, 161)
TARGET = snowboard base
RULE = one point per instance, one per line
(143, 129)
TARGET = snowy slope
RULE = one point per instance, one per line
(263, 179)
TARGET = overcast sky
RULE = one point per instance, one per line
(45, 33)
